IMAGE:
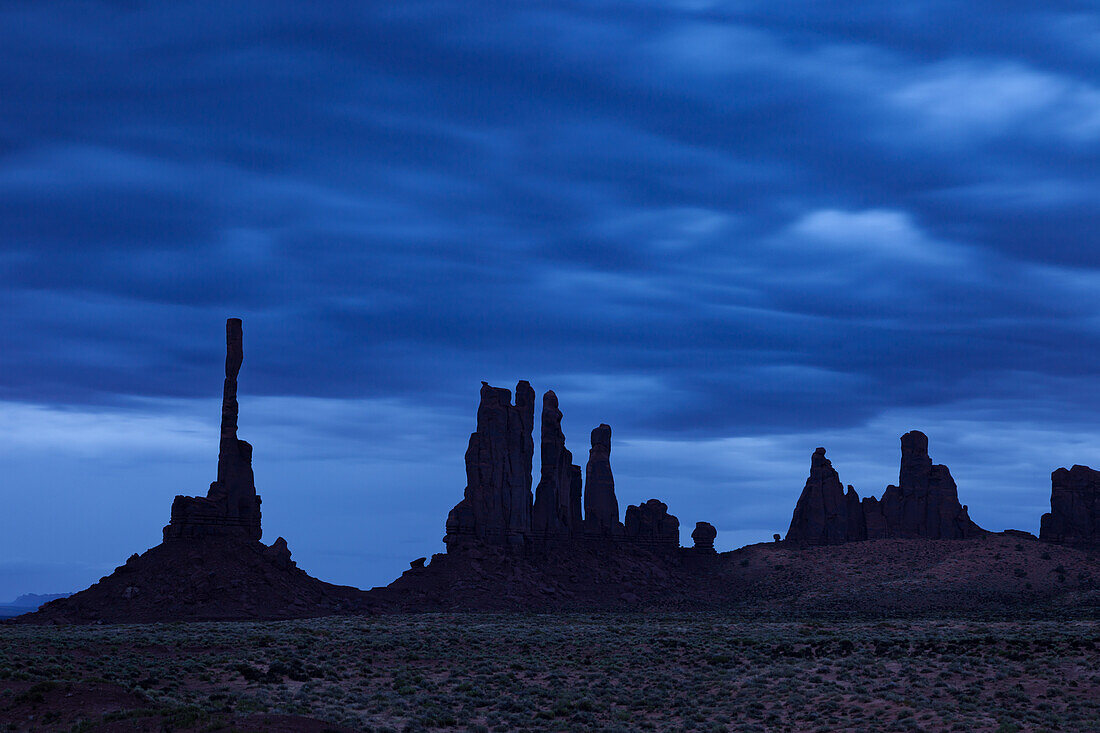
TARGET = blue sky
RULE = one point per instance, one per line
(734, 231)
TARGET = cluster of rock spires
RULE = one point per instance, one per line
(212, 565)
(924, 504)
(497, 507)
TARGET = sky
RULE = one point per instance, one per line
(734, 231)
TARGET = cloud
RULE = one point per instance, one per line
(969, 102)
(716, 226)
(875, 235)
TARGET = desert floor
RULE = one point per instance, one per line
(555, 672)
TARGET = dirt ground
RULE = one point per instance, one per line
(480, 672)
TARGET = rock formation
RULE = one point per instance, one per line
(874, 521)
(557, 510)
(211, 564)
(231, 507)
(1074, 517)
(576, 484)
(925, 503)
(651, 524)
(496, 506)
(601, 508)
(824, 514)
(703, 536)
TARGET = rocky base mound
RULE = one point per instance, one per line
(217, 579)
(203, 580)
(993, 574)
(578, 577)
(1002, 573)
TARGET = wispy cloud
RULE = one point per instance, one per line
(717, 226)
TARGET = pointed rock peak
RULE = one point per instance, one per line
(851, 493)
(601, 508)
(234, 347)
(552, 516)
(525, 402)
(601, 437)
(821, 516)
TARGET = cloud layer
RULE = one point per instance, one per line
(702, 222)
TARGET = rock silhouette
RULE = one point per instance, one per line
(497, 509)
(925, 503)
(874, 521)
(566, 548)
(651, 524)
(601, 508)
(211, 564)
(824, 515)
(496, 506)
(557, 509)
(1074, 516)
(703, 536)
(231, 507)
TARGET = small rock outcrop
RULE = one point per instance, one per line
(925, 503)
(824, 514)
(703, 536)
(496, 506)
(601, 508)
(651, 524)
(231, 508)
(1074, 516)
(557, 510)
(874, 521)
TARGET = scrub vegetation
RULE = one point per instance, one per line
(477, 672)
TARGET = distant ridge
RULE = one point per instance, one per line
(34, 600)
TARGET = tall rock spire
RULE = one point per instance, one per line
(236, 483)
(601, 508)
(496, 505)
(231, 506)
(554, 516)
(519, 522)
(925, 503)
